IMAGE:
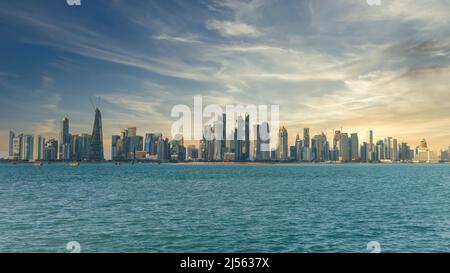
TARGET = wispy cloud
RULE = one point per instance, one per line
(231, 28)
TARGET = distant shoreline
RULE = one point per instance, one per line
(218, 163)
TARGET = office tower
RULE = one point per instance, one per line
(292, 152)
(51, 150)
(264, 133)
(40, 148)
(28, 148)
(282, 151)
(317, 146)
(97, 138)
(84, 149)
(257, 143)
(209, 142)
(298, 147)
(17, 147)
(306, 139)
(224, 135)
(354, 147)
(239, 136)
(371, 146)
(336, 141)
(388, 148)
(247, 138)
(12, 135)
(114, 147)
(364, 152)
(218, 139)
(344, 148)
(202, 149)
(177, 151)
(163, 149)
(64, 137)
(306, 154)
(326, 151)
(395, 156)
(75, 147)
(405, 152)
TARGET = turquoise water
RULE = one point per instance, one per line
(182, 208)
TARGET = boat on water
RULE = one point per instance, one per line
(38, 164)
(73, 164)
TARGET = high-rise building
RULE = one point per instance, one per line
(11, 145)
(282, 151)
(395, 155)
(40, 148)
(256, 143)
(247, 138)
(306, 138)
(17, 147)
(354, 147)
(163, 149)
(64, 137)
(97, 138)
(317, 147)
(51, 150)
(371, 146)
(85, 147)
(365, 152)
(114, 147)
(344, 148)
(239, 138)
(264, 134)
(298, 148)
(28, 148)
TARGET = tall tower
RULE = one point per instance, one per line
(306, 139)
(247, 138)
(64, 138)
(371, 146)
(12, 135)
(97, 138)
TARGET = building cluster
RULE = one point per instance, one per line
(69, 147)
(128, 146)
(242, 142)
(252, 143)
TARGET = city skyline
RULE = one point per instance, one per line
(326, 63)
(246, 140)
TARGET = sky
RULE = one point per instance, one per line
(328, 64)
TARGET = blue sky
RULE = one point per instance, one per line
(328, 64)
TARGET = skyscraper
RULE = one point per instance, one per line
(354, 147)
(51, 150)
(306, 138)
(282, 153)
(247, 138)
(64, 137)
(28, 148)
(40, 148)
(344, 147)
(97, 138)
(11, 144)
(17, 147)
(371, 146)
